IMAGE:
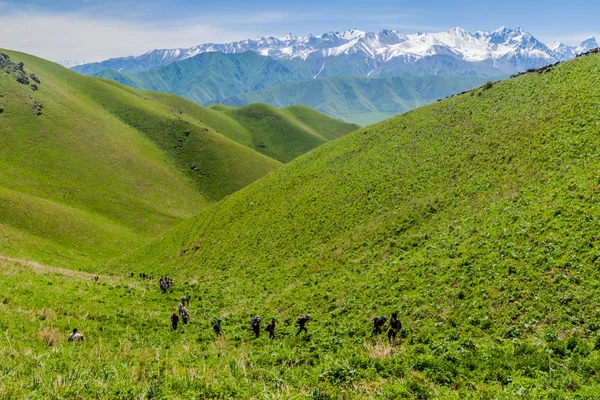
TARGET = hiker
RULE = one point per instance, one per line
(271, 328)
(394, 328)
(163, 286)
(75, 336)
(378, 323)
(96, 277)
(174, 321)
(255, 325)
(185, 315)
(302, 321)
(217, 327)
(187, 299)
(180, 307)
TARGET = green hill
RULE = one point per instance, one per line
(284, 134)
(360, 100)
(90, 169)
(475, 218)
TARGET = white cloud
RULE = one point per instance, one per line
(82, 37)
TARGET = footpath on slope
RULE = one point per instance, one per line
(47, 269)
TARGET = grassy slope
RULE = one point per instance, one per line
(476, 218)
(284, 134)
(360, 99)
(104, 168)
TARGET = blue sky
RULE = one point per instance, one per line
(93, 30)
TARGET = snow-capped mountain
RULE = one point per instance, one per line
(504, 50)
(71, 63)
(566, 52)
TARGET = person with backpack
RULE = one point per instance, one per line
(180, 307)
(218, 327)
(185, 315)
(75, 336)
(187, 299)
(378, 323)
(302, 321)
(271, 328)
(394, 328)
(174, 321)
(255, 326)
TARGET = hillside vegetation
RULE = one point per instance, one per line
(91, 169)
(475, 218)
(284, 134)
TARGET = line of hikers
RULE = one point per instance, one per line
(378, 323)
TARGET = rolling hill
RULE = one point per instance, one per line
(284, 134)
(475, 218)
(91, 169)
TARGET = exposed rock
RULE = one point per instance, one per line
(18, 71)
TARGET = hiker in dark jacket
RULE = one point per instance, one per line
(302, 321)
(217, 327)
(174, 321)
(378, 323)
(271, 328)
(394, 328)
(255, 326)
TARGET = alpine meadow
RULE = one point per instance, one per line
(245, 241)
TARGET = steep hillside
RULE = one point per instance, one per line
(284, 134)
(360, 100)
(90, 169)
(279, 134)
(475, 218)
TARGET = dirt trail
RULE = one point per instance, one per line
(46, 269)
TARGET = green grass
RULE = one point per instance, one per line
(476, 218)
(284, 134)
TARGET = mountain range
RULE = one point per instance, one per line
(229, 73)
(504, 48)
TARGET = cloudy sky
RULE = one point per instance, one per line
(93, 30)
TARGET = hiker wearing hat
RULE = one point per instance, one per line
(302, 321)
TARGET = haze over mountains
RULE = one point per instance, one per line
(287, 70)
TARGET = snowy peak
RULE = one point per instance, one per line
(71, 63)
(588, 44)
(566, 52)
(506, 49)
